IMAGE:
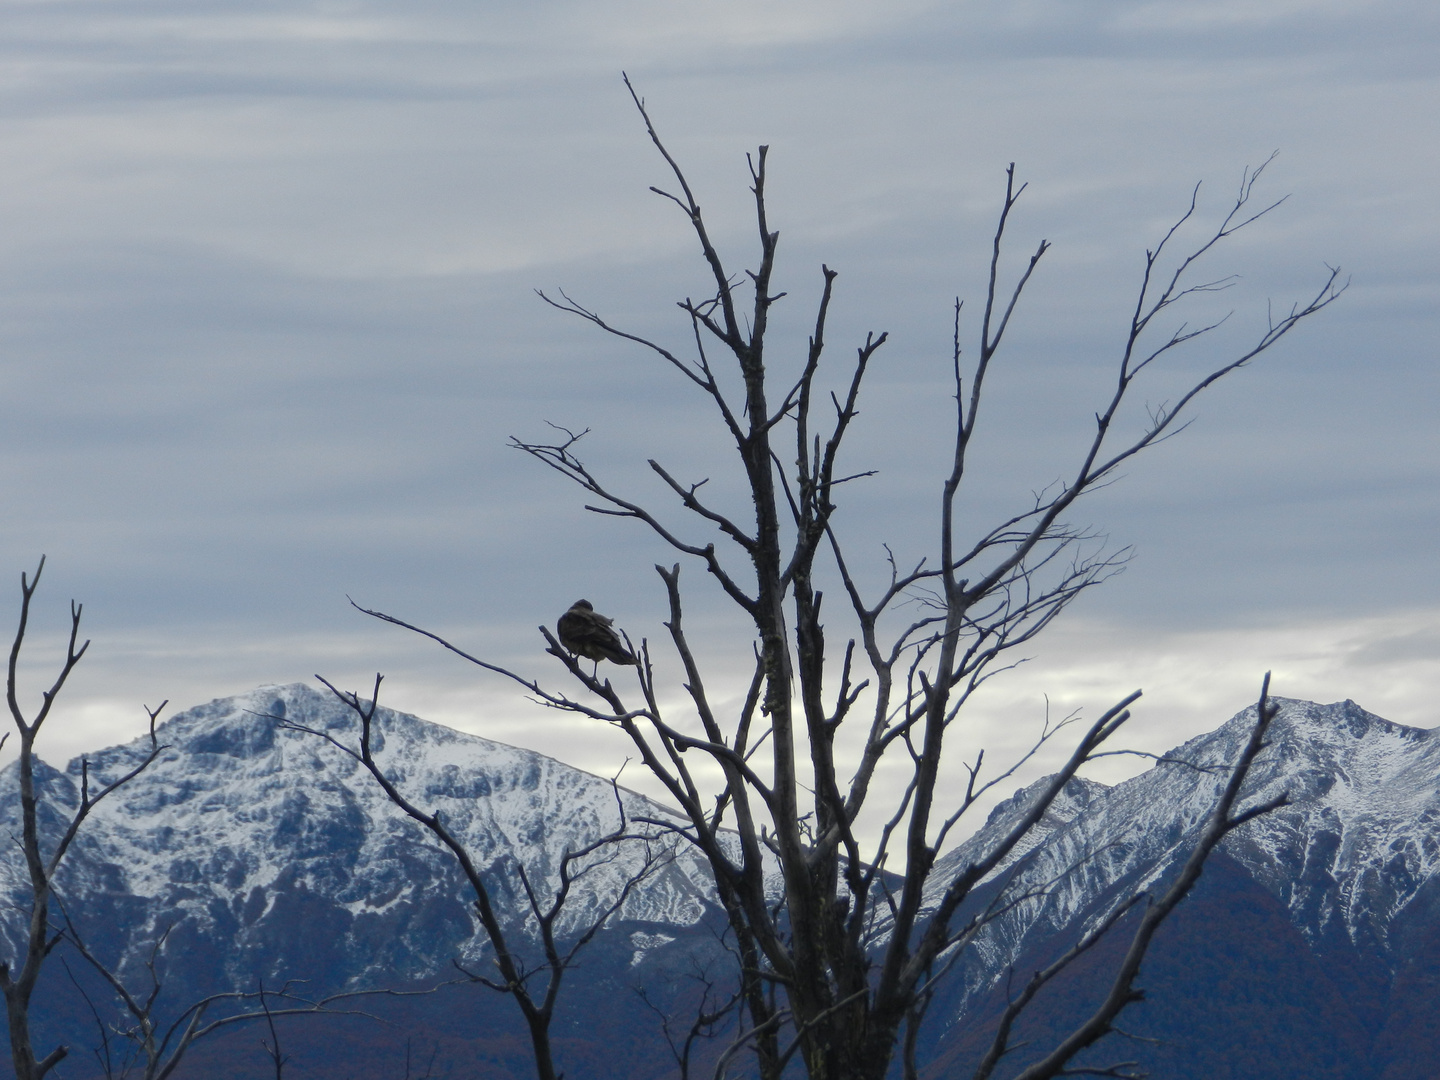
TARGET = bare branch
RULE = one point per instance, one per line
(1220, 822)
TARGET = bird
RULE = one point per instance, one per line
(585, 632)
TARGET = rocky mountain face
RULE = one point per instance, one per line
(1311, 946)
(263, 853)
(1312, 932)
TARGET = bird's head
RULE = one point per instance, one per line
(583, 604)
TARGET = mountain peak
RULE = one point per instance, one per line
(1345, 857)
(241, 812)
(1341, 718)
(273, 853)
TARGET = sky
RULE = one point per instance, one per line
(267, 321)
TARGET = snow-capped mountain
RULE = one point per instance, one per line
(1351, 863)
(1359, 839)
(267, 853)
(244, 820)
(1310, 947)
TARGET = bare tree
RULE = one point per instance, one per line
(18, 974)
(849, 955)
(272, 1044)
(711, 1011)
(517, 978)
(147, 1047)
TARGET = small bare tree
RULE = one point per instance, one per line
(517, 978)
(19, 974)
(712, 1005)
(835, 971)
(143, 1044)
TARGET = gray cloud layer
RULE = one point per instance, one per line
(267, 319)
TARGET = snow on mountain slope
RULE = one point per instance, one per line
(243, 828)
(1363, 833)
(1357, 844)
(265, 846)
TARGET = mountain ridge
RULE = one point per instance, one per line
(240, 809)
(245, 831)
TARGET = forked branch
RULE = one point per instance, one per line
(1222, 821)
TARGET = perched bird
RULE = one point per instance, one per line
(587, 633)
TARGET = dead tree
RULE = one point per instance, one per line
(709, 1015)
(517, 977)
(834, 973)
(148, 1047)
(18, 974)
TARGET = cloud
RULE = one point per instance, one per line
(267, 320)
(1192, 682)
